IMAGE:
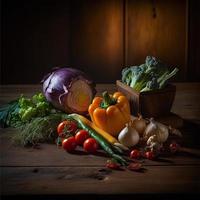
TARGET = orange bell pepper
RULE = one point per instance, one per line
(110, 113)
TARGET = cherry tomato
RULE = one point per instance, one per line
(69, 144)
(66, 127)
(174, 147)
(90, 145)
(81, 136)
(135, 154)
(112, 165)
(150, 155)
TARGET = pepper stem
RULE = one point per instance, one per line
(107, 100)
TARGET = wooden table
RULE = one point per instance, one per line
(50, 171)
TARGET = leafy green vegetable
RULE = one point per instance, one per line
(151, 75)
(37, 106)
(38, 130)
(9, 114)
(23, 110)
(34, 118)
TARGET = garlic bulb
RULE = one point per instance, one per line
(158, 129)
(151, 129)
(174, 131)
(162, 133)
(128, 136)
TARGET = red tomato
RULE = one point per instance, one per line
(66, 127)
(150, 155)
(112, 165)
(69, 144)
(90, 145)
(81, 136)
(135, 166)
(174, 147)
(135, 154)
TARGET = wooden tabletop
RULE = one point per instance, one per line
(49, 170)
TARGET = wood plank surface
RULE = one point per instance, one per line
(95, 180)
(51, 171)
(51, 155)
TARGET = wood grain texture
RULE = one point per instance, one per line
(49, 170)
(150, 104)
(97, 38)
(157, 28)
(51, 155)
(94, 180)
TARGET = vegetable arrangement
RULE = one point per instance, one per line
(147, 144)
(151, 75)
(68, 95)
(106, 146)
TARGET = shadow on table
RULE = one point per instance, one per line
(191, 134)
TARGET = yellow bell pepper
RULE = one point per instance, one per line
(111, 112)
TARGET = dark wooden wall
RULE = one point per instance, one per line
(96, 41)
(157, 28)
(35, 37)
(193, 70)
(98, 37)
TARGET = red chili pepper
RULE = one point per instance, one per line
(112, 165)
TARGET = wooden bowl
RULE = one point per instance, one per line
(150, 104)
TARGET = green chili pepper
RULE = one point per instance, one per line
(102, 142)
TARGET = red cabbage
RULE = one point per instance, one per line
(69, 90)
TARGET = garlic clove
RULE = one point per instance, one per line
(152, 139)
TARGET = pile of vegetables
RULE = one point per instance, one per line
(148, 135)
(65, 90)
(84, 133)
(59, 114)
(140, 138)
(151, 75)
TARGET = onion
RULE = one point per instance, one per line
(139, 124)
(69, 90)
(128, 136)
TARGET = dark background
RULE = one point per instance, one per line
(98, 37)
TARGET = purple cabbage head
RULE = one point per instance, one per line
(69, 90)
